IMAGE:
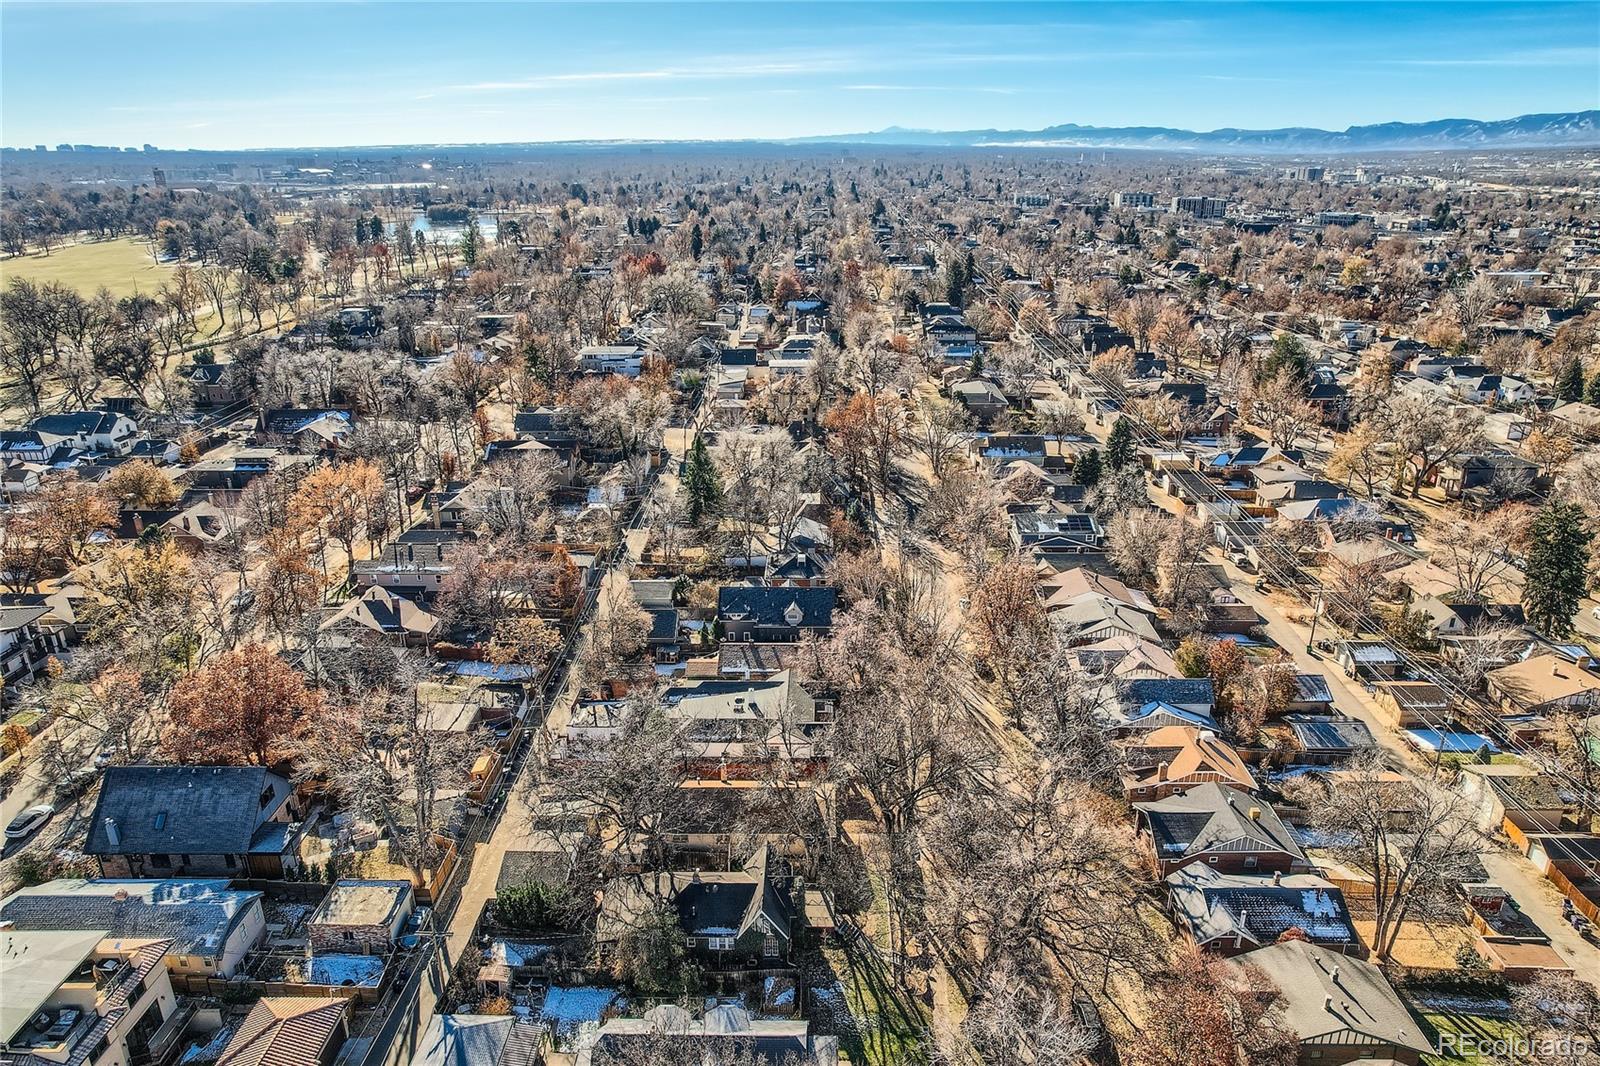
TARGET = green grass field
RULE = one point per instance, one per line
(123, 265)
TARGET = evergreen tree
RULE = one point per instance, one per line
(471, 241)
(1557, 569)
(701, 481)
(1287, 353)
(975, 364)
(361, 230)
(375, 228)
(1119, 445)
(1569, 383)
(1591, 395)
(1087, 469)
(697, 241)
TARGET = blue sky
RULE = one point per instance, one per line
(310, 74)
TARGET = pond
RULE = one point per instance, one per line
(449, 232)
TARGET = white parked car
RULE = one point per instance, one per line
(29, 820)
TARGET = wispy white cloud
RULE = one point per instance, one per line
(1543, 57)
(710, 68)
(878, 87)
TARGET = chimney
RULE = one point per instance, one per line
(1161, 771)
(1336, 975)
(1327, 1004)
(1206, 736)
(113, 837)
(1255, 814)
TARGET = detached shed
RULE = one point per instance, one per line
(361, 917)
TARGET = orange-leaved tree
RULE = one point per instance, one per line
(242, 707)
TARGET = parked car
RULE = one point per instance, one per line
(29, 821)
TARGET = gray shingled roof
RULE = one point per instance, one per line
(1212, 816)
(197, 810)
(197, 915)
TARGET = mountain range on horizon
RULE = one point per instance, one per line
(1567, 129)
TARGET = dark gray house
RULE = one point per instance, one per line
(774, 613)
(174, 821)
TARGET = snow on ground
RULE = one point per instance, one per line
(364, 970)
(566, 1008)
(207, 1052)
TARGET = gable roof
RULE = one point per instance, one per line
(767, 605)
(1256, 909)
(1093, 611)
(1213, 817)
(1076, 582)
(1187, 692)
(1185, 750)
(200, 810)
(285, 1031)
(1327, 995)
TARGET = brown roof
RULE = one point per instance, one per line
(1195, 751)
(1542, 679)
(285, 1031)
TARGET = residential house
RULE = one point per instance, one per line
(210, 925)
(289, 1031)
(106, 432)
(1071, 533)
(1066, 587)
(980, 396)
(1221, 827)
(1450, 618)
(1126, 658)
(726, 1033)
(168, 821)
(624, 359)
(734, 919)
(76, 997)
(1230, 913)
(1193, 694)
(308, 430)
(211, 384)
(1093, 618)
(773, 614)
(361, 917)
(378, 610)
(415, 563)
(1343, 1010)
(481, 1040)
(1176, 758)
(1543, 683)
(735, 724)
(28, 639)
(1499, 472)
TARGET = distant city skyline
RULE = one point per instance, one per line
(234, 76)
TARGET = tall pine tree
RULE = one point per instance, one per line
(1591, 395)
(1119, 445)
(701, 481)
(1087, 469)
(1558, 569)
(1569, 383)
